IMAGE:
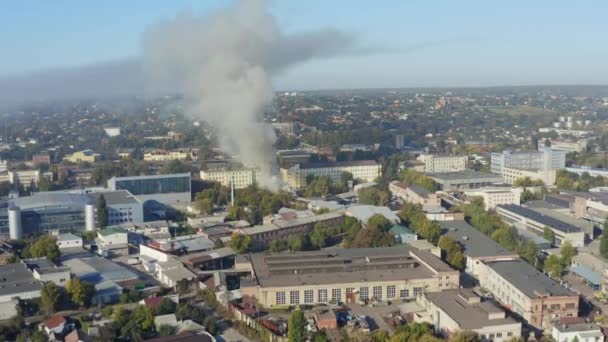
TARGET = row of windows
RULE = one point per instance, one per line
(497, 335)
(336, 294)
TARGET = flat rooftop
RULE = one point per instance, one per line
(16, 278)
(116, 197)
(469, 315)
(475, 243)
(319, 165)
(540, 218)
(464, 175)
(528, 279)
(343, 266)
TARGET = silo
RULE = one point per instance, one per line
(14, 223)
(89, 217)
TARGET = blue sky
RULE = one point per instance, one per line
(416, 42)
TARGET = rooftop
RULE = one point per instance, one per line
(464, 175)
(419, 190)
(184, 337)
(319, 165)
(540, 218)
(116, 197)
(467, 309)
(528, 279)
(96, 269)
(474, 243)
(15, 279)
(343, 266)
(112, 230)
(51, 199)
(173, 175)
(67, 237)
(364, 212)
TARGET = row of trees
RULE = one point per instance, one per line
(414, 217)
(318, 186)
(374, 195)
(571, 181)
(554, 264)
(411, 177)
(77, 293)
(374, 234)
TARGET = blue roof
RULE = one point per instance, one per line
(588, 274)
(540, 218)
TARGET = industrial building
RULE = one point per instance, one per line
(537, 222)
(85, 156)
(160, 155)
(579, 145)
(523, 289)
(363, 170)
(66, 211)
(437, 163)
(167, 189)
(346, 275)
(464, 180)
(540, 165)
(476, 246)
(451, 311)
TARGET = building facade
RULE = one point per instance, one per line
(546, 159)
(158, 155)
(437, 163)
(463, 180)
(346, 275)
(493, 196)
(241, 178)
(413, 194)
(85, 156)
(451, 311)
(364, 170)
(529, 293)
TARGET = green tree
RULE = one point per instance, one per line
(528, 251)
(453, 251)
(553, 266)
(297, 243)
(50, 297)
(296, 327)
(319, 235)
(45, 184)
(45, 246)
(102, 212)
(174, 166)
(549, 235)
(210, 324)
(165, 307)
(240, 243)
(568, 252)
(38, 336)
(81, 292)
(277, 246)
(166, 330)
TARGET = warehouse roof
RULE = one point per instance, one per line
(474, 243)
(16, 278)
(528, 279)
(344, 266)
(540, 218)
(469, 314)
(463, 175)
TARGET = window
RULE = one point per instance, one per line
(280, 298)
(309, 296)
(510, 333)
(336, 295)
(349, 291)
(322, 296)
(554, 306)
(391, 291)
(404, 293)
(570, 305)
(418, 291)
(294, 297)
(498, 335)
(364, 293)
(378, 292)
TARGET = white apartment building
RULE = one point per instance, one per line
(510, 175)
(363, 170)
(27, 178)
(546, 159)
(437, 163)
(241, 178)
(582, 332)
(3, 165)
(495, 196)
(565, 145)
(168, 155)
(112, 131)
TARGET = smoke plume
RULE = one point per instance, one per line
(223, 63)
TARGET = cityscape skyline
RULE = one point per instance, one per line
(415, 44)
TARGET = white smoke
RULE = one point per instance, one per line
(224, 63)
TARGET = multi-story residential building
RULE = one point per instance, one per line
(364, 170)
(546, 159)
(414, 194)
(88, 156)
(3, 166)
(537, 222)
(346, 275)
(28, 178)
(462, 180)
(493, 196)
(523, 289)
(159, 155)
(579, 145)
(437, 163)
(239, 177)
(112, 131)
(450, 311)
(168, 189)
(476, 246)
